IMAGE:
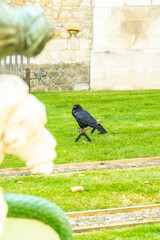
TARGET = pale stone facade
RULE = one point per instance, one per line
(126, 45)
(98, 45)
(64, 64)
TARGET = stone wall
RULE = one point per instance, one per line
(60, 77)
(64, 64)
(99, 45)
(126, 45)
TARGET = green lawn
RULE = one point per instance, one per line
(132, 119)
(148, 232)
(102, 188)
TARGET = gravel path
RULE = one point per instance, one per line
(120, 217)
(76, 167)
(108, 218)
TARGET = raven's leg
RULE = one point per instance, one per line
(78, 137)
(93, 130)
(84, 134)
(87, 137)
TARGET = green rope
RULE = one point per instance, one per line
(31, 207)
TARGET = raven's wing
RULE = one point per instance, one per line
(85, 118)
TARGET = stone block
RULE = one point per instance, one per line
(110, 59)
(77, 65)
(49, 11)
(97, 81)
(86, 3)
(113, 32)
(102, 42)
(85, 43)
(86, 14)
(33, 67)
(96, 75)
(45, 66)
(116, 80)
(108, 3)
(153, 43)
(82, 55)
(138, 78)
(86, 65)
(65, 15)
(53, 75)
(155, 2)
(56, 2)
(144, 79)
(87, 32)
(84, 79)
(133, 27)
(48, 55)
(119, 14)
(68, 56)
(100, 29)
(66, 87)
(137, 2)
(64, 34)
(73, 43)
(81, 86)
(65, 66)
(154, 79)
(102, 14)
(53, 88)
(51, 57)
(60, 80)
(136, 70)
(55, 14)
(144, 60)
(76, 79)
(70, 2)
(56, 67)
(61, 73)
(138, 13)
(58, 44)
(40, 88)
(79, 13)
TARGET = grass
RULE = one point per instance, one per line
(130, 117)
(102, 188)
(132, 120)
(148, 232)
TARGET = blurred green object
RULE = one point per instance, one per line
(23, 30)
(31, 217)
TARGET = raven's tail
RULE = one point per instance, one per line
(100, 128)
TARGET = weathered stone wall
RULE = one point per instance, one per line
(60, 77)
(126, 45)
(124, 51)
(64, 64)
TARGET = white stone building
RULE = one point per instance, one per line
(99, 45)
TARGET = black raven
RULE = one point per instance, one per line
(84, 119)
